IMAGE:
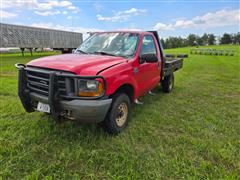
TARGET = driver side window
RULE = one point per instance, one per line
(148, 46)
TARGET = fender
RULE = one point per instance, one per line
(119, 75)
(120, 81)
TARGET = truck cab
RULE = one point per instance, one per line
(100, 81)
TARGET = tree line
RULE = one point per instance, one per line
(205, 39)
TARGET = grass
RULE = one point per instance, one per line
(191, 133)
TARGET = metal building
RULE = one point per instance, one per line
(32, 37)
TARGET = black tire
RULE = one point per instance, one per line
(111, 123)
(168, 83)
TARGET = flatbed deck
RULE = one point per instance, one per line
(171, 65)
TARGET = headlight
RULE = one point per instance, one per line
(89, 88)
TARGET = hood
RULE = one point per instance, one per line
(81, 64)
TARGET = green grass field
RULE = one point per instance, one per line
(194, 132)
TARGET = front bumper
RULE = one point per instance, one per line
(87, 111)
(83, 110)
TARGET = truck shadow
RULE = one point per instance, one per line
(70, 131)
(88, 134)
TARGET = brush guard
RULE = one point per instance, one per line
(53, 99)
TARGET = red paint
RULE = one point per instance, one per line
(82, 64)
(116, 70)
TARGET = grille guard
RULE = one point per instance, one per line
(53, 97)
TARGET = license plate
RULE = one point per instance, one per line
(43, 107)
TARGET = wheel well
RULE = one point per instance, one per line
(127, 89)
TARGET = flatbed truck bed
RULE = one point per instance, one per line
(171, 65)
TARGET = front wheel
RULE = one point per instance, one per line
(118, 115)
(168, 83)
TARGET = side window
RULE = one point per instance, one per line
(148, 46)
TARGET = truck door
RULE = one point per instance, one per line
(148, 75)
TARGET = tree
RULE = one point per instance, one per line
(163, 43)
(211, 39)
(236, 38)
(184, 42)
(226, 39)
(192, 40)
(205, 39)
(199, 41)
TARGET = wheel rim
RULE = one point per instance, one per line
(122, 114)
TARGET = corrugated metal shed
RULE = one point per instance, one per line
(32, 37)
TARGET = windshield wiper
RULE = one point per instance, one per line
(103, 53)
(83, 52)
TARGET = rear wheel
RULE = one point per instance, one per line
(117, 118)
(168, 83)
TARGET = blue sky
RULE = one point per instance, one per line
(170, 18)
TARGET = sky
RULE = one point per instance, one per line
(170, 18)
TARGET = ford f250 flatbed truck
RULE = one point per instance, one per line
(100, 80)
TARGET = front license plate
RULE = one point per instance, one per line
(43, 107)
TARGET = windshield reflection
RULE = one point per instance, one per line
(114, 44)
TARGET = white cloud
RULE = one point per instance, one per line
(163, 27)
(19, 4)
(69, 17)
(74, 9)
(63, 3)
(6, 15)
(122, 15)
(209, 20)
(115, 18)
(133, 11)
(64, 12)
(218, 19)
(65, 28)
(47, 13)
(184, 24)
(41, 8)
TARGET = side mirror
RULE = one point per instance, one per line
(149, 58)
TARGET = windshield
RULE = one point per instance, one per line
(116, 44)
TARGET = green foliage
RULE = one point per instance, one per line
(236, 38)
(211, 39)
(192, 133)
(225, 39)
(195, 40)
(204, 39)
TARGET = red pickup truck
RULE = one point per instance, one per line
(100, 80)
